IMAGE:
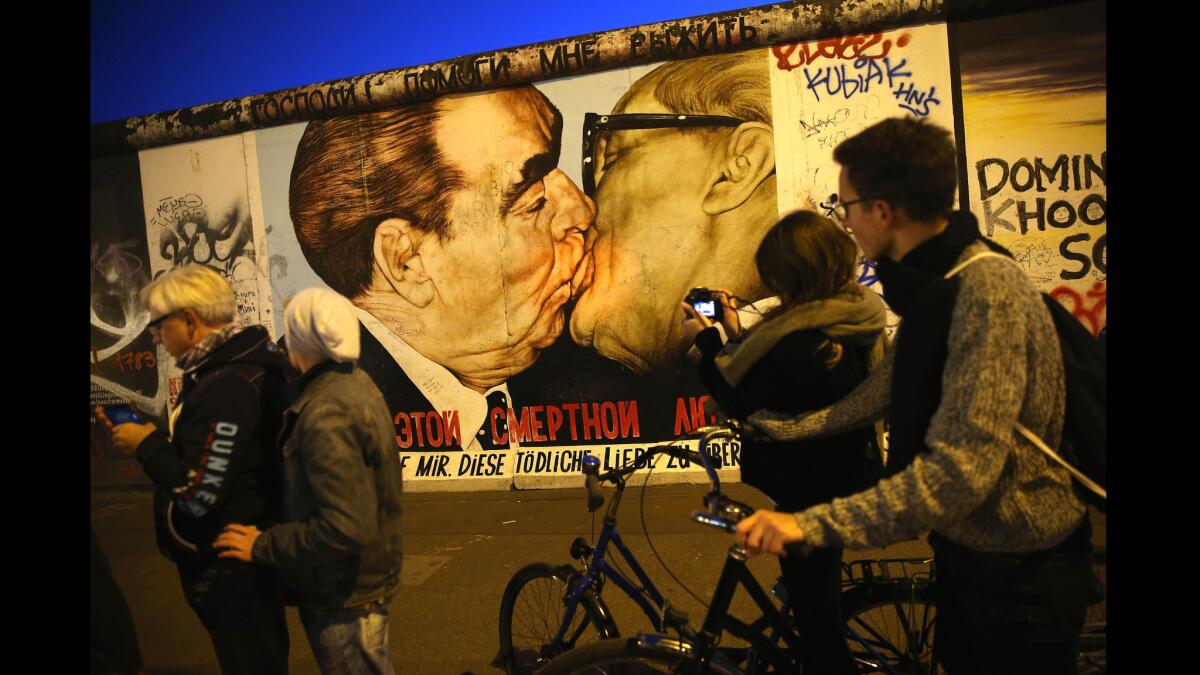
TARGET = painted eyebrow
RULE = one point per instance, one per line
(535, 169)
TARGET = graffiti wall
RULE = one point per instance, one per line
(517, 256)
(125, 363)
(1034, 93)
(832, 89)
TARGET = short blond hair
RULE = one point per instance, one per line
(737, 85)
(194, 287)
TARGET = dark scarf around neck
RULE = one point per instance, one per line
(905, 282)
(916, 290)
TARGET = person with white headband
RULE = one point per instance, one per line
(338, 550)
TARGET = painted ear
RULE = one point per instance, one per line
(749, 160)
(398, 261)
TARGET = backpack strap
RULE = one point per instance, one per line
(1029, 435)
(978, 256)
(1041, 445)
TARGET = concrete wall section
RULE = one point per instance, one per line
(517, 255)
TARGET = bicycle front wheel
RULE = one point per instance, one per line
(629, 657)
(532, 612)
(890, 628)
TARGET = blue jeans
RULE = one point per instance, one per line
(349, 641)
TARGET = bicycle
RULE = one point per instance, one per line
(880, 643)
(562, 590)
(889, 606)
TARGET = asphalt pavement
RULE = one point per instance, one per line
(460, 551)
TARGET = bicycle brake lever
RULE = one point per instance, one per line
(591, 481)
(706, 518)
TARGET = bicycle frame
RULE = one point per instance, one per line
(763, 635)
(599, 567)
(735, 574)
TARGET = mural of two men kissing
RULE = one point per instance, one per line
(461, 240)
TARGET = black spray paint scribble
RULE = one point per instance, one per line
(278, 267)
(191, 237)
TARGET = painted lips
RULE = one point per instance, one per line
(586, 270)
(583, 274)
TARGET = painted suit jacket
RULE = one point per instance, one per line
(564, 373)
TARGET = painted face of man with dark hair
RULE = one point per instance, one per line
(484, 300)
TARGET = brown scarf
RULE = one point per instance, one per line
(193, 357)
(856, 316)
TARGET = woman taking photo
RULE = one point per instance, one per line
(809, 352)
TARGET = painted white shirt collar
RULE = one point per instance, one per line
(436, 383)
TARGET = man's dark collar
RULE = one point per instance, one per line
(938, 253)
(237, 345)
(904, 282)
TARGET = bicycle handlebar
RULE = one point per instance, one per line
(796, 548)
(722, 512)
(592, 483)
(593, 477)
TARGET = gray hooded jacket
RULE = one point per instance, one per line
(340, 542)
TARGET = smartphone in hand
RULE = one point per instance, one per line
(122, 414)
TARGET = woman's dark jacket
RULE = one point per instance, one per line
(219, 465)
(794, 377)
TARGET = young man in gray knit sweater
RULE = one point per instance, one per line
(974, 355)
